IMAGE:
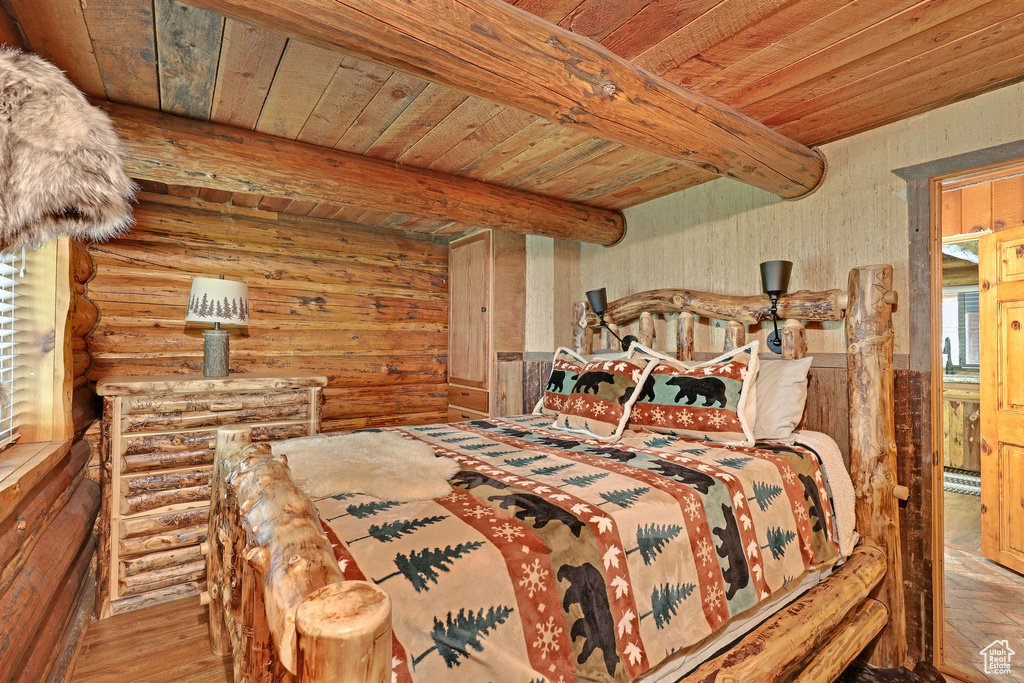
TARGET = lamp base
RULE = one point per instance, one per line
(215, 353)
(774, 342)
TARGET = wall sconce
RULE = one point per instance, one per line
(221, 302)
(775, 283)
(598, 299)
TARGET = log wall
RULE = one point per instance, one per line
(366, 307)
(85, 406)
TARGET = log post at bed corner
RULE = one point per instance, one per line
(345, 634)
(278, 600)
(869, 335)
(220, 640)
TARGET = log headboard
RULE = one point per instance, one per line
(866, 306)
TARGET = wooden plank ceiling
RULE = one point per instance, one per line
(814, 70)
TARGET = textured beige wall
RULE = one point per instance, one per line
(712, 237)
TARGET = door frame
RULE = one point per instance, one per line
(924, 207)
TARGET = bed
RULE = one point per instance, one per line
(560, 557)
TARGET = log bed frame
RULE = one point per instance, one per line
(278, 601)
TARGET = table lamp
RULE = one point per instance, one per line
(221, 302)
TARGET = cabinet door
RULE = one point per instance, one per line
(469, 299)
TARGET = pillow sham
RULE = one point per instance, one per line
(565, 368)
(714, 400)
(600, 401)
(781, 390)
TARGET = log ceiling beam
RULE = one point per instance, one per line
(178, 151)
(502, 53)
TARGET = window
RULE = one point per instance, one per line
(12, 273)
(34, 341)
(961, 337)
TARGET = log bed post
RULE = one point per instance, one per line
(583, 338)
(277, 594)
(794, 344)
(345, 634)
(220, 639)
(647, 329)
(735, 335)
(869, 336)
(686, 323)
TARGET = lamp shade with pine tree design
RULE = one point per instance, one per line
(218, 301)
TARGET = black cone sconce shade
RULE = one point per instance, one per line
(598, 299)
(775, 283)
(775, 277)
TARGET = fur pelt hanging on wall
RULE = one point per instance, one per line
(61, 163)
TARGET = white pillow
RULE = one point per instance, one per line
(781, 394)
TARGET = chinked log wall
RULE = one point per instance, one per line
(366, 307)
(46, 543)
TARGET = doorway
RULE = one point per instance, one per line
(982, 223)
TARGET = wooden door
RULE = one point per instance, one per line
(469, 298)
(1001, 267)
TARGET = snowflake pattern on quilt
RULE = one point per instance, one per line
(576, 559)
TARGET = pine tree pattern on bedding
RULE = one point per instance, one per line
(564, 559)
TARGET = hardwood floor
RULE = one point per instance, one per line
(984, 603)
(963, 521)
(168, 643)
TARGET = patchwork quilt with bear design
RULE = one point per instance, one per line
(560, 559)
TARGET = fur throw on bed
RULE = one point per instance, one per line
(382, 464)
(61, 168)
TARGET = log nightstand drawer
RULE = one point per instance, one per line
(158, 441)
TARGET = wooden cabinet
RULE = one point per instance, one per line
(158, 441)
(961, 425)
(486, 314)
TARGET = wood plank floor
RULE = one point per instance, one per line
(984, 603)
(962, 521)
(168, 643)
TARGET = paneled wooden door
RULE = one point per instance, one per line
(469, 296)
(1001, 268)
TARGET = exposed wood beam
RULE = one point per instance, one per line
(169, 149)
(499, 52)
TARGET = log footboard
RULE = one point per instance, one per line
(278, 601)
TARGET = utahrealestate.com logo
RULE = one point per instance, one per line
(997, 657)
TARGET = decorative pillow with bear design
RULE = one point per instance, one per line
(713, 400)
(600, 400)
(565, 369)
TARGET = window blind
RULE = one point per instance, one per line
(960, 328)
(12, 273)
(969, 329)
